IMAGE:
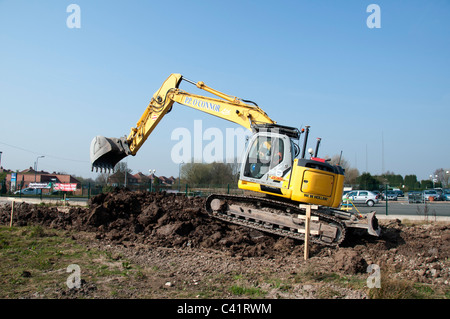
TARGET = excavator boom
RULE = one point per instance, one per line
(106, 152)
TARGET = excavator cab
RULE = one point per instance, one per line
(270, 166)
(268, 160)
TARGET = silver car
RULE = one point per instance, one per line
(430, 194)
(361, 197)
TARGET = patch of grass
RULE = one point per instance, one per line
(34, 262)
(247, 291)
(281, 284)
(393, 288)
(246, 286)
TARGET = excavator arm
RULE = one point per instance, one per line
(106, 152)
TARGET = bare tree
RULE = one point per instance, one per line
(351, 173)
(442, 176)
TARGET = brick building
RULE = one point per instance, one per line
(27, 176)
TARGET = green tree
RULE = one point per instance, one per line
(367, 181)
(215, 173)
(411, 182)
(426, 183)
(393, 179)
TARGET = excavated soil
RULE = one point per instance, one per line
(174, 229)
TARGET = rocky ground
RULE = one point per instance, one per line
(174, 233)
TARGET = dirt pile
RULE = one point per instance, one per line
(418, 252)
(161, 219)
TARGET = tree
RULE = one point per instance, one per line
(411, 182)
(215, 173)
(351, 173)
(426, 183)
(195, 173)
(393, 179)
(367, 181)
(442, 176)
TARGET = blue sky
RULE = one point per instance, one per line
(304, 62)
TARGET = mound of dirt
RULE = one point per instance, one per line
(349, 261)
(122, 217)
(161, 219)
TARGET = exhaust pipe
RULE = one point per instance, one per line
(317, 146)
(106, 152)
(305, 141)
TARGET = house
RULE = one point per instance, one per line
(166, 181)
(140, 181)
(119, 179)
(141, 178)
(29, 175)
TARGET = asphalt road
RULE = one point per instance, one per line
(402, 207)
(396, 209)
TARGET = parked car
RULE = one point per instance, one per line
(446, 194)
(361, 197)
(415, 197)
(399, 193)
(378, 193)
(430, 194)
(440, 193)
(28, 191)
(391, 195)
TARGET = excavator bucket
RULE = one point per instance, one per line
(106, 152)
(372, 225)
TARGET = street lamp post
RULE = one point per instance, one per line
(179, 175)
(433, 179)
(152, 172)
(36, 166)
(446, 178)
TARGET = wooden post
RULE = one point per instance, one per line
(308, 208)
(12, 213)
(308, 218)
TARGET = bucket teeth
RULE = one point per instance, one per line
(103, 168)
(105, 152)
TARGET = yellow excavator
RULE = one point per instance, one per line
(272, 165)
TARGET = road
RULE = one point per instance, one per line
(396, 209)
(403, 208)
(72, 201)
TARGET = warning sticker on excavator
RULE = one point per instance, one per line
(276, 178)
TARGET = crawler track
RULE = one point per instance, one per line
(275, 217)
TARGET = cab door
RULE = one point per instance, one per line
(268, 160)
